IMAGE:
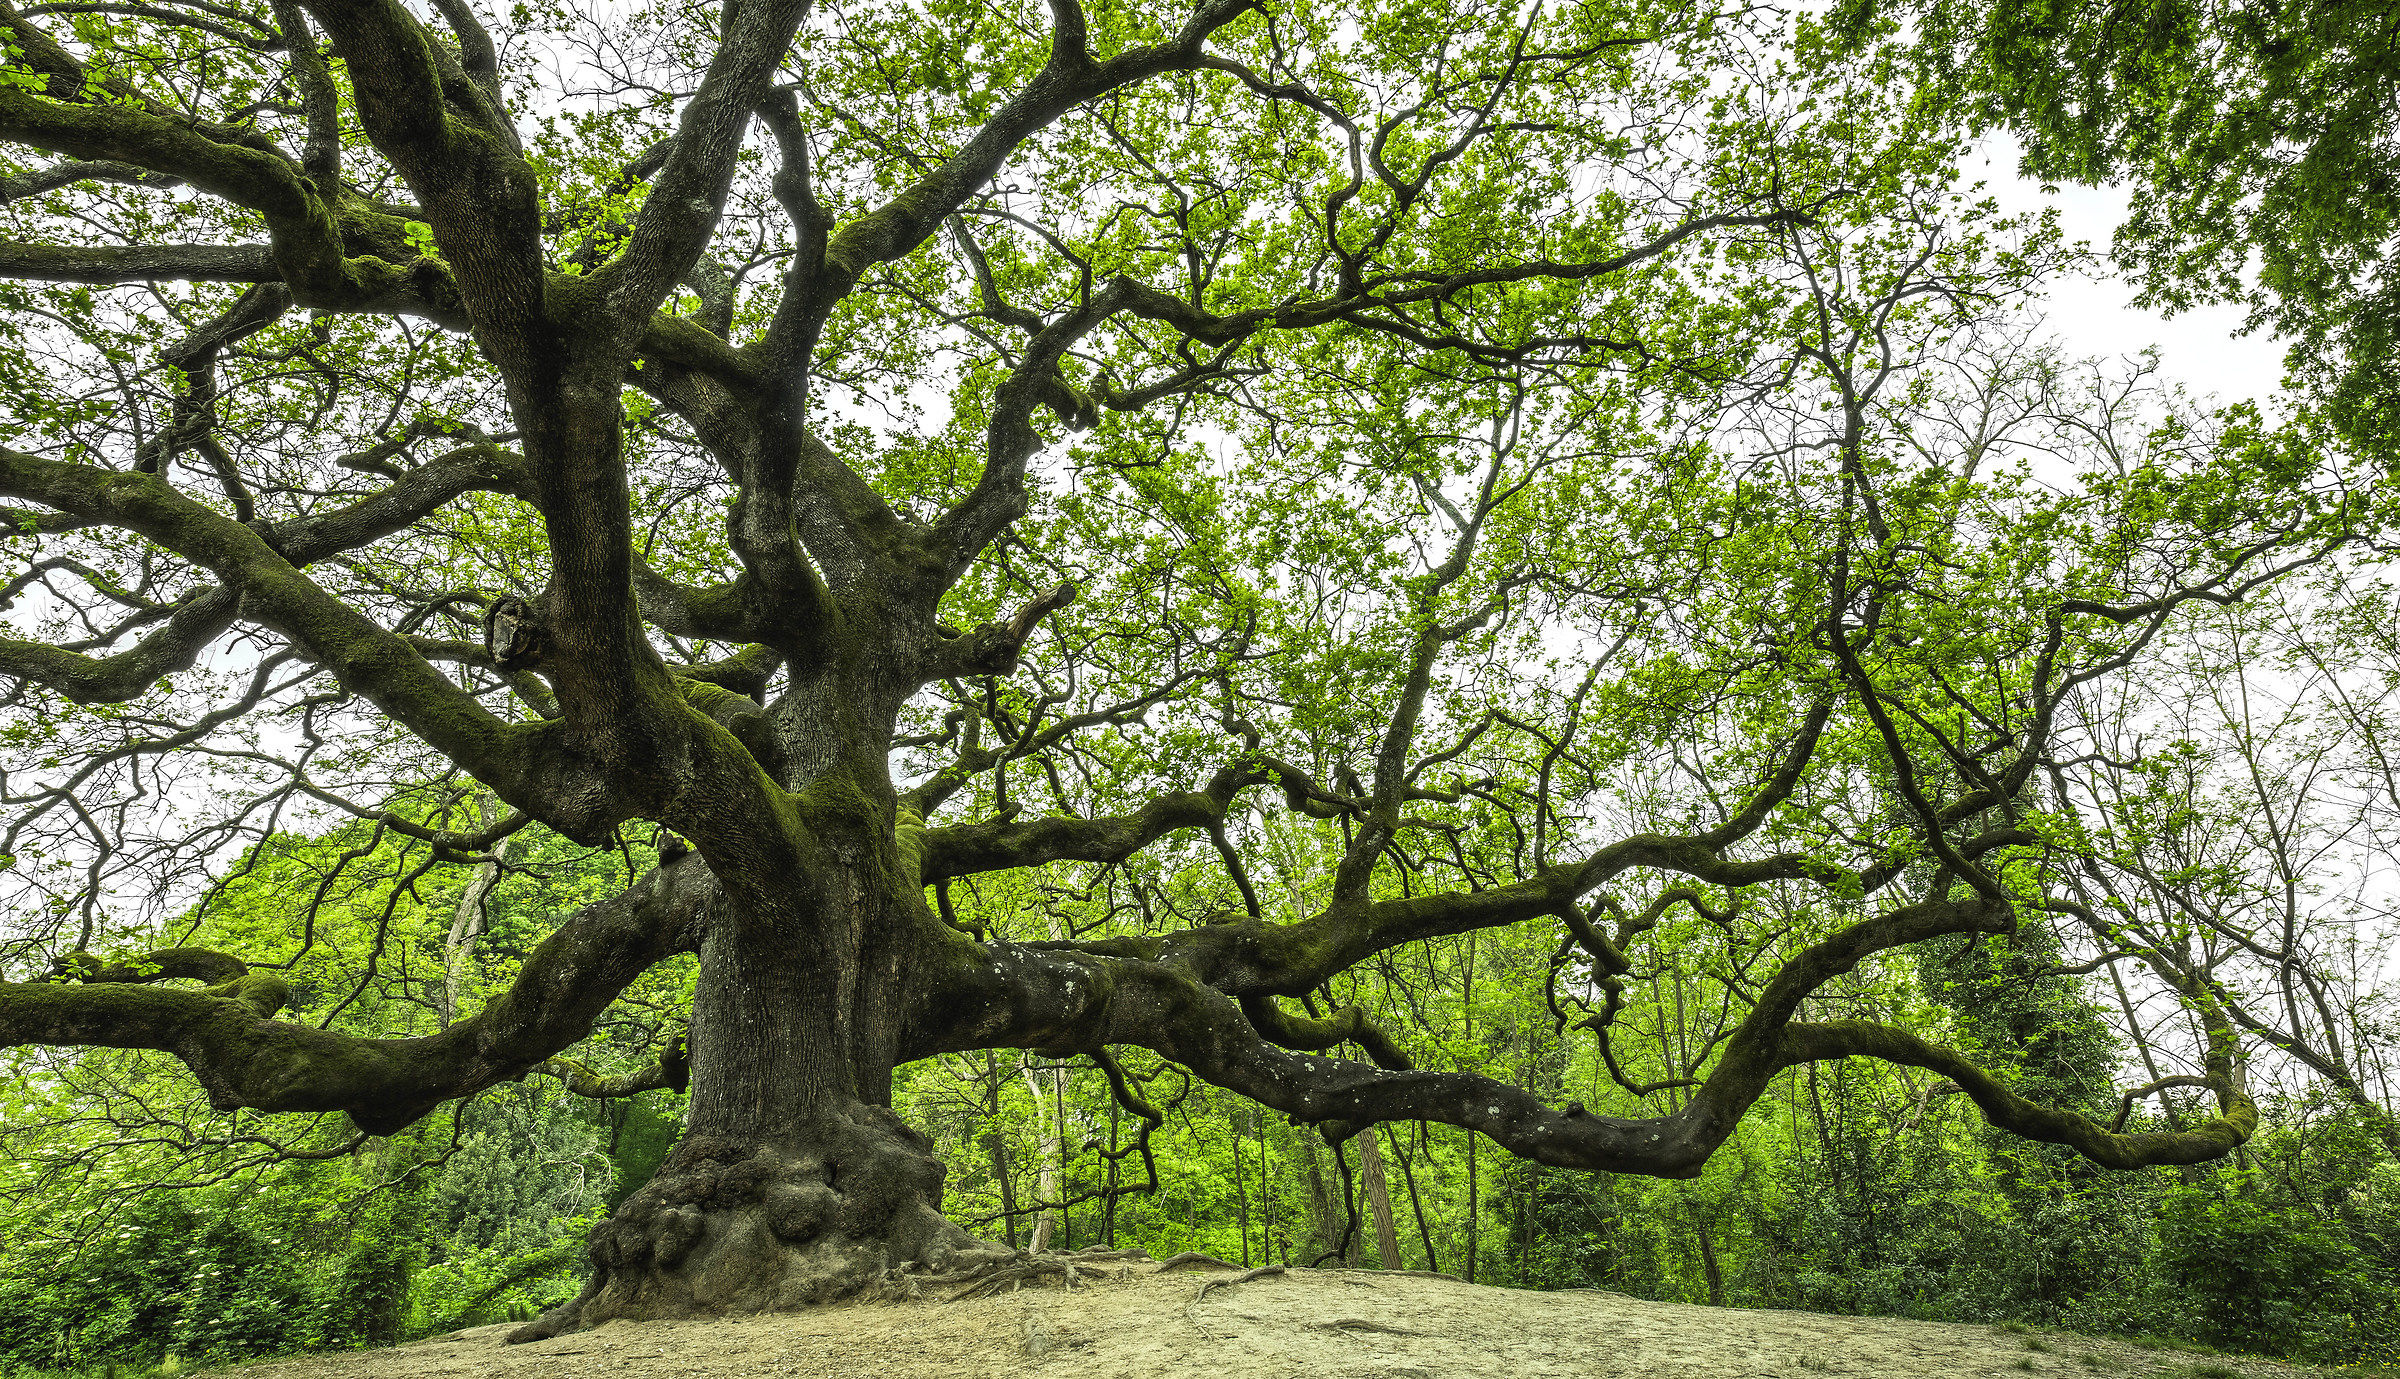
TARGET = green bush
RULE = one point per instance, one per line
(110, 1292)
(241, 1296)
(367, 1304)
(2258, 1278)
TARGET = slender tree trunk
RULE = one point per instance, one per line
(1379, 1198)
(1520, 1232)
(1474, 1207)
(1046, 1155)
(1241, 1191)
(1353, 1248)
(1266, 1189)
(1052, 1118)
(1416, 1202)
(468, 920)
(995, 1146)
(1320, 1202)
(1108, 1219)
(1066, 1179)
(1708, 1260)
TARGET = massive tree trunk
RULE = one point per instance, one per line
(795, 1183)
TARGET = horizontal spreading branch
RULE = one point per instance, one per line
(105, 264)
(195, 621)
(1060, 1001)
(1006, 843)
(243, 1056)
(672, 1071)
(2220, 1135)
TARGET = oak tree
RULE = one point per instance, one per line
(1308, 481)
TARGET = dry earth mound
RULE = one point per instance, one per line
(1328, 1324)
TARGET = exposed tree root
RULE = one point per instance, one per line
(1269, 1271)
(1008, 1274)
(848, 1202)
(1193, 1259)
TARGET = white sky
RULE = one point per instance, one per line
(2096, 316)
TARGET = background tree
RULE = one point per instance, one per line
(953, 474)
(2257, 140)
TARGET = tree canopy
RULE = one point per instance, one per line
(1064, 529)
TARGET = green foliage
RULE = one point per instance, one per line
(118, 1297)
(640, 1137)
(453, 1223)
(312, 1255)
(1575, 1230)
(1851, 1188)
(1651, 609)
(220, 1277)
(368, 1300)
(2258, 1275)
(2257, 139)
(242, 1293)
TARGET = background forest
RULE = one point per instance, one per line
(139, 1226)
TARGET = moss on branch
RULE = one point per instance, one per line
(244, 1057)
(1052, 998)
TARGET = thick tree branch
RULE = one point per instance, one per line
(368, 659)
(1002, 844)
(244, 1057)
(230, 263)
(680, 214)
(65, 113)
(1059, 1001)
(21, 185)
(198, 620)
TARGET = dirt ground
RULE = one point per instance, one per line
(1329, 1324)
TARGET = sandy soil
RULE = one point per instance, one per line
(1328, 1324)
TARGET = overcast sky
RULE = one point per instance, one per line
(2097, 316)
